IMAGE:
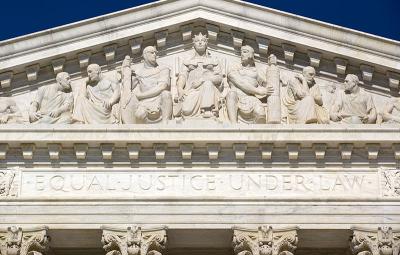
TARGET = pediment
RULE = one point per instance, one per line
(31, 61)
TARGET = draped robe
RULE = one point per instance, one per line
(50, 98)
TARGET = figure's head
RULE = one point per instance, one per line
(13, 229)
(200, 42)
(94, 71)
(309, 74)
(351, 82)
(64, 80)
(150, 55)
(247, 54)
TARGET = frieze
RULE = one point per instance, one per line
(198, 184)
(206, 86)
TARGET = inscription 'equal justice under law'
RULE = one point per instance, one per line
(194, 183)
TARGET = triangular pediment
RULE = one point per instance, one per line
(31, 61)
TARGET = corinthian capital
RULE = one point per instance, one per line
(15, 241)
(134, 241)
(384, 241)
(264, 241)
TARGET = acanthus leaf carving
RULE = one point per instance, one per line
(264, 241)
(16, 241)
(384, 241)
(134, 241)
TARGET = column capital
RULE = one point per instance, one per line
(134, 240)
(264, 241)
(16, 240)
(383, 241)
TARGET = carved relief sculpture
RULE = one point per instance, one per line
(353, 105)
(6, 181)
(391, 182)
(94, 105)
(16, 241)
(199, 82)
(264, 241)
(304, 100)
(134, 241)
(368, 242)
(146, 95)
(391, 113)
(249, 90)
(9, 111)
(53, 103)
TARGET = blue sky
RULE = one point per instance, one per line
(379, 17)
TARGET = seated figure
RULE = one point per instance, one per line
(353, 105)
(94, 105)
(200, 82)
(9, 111)
(146, 97)
(391, 113)
(53, 103)
(249, 90)
(304, 100)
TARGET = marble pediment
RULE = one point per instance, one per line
(30, 62)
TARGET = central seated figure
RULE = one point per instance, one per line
(199, 82)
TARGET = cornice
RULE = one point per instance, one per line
(359, 135)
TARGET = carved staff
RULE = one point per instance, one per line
(274, 100)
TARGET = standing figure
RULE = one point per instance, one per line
(353, 105)
(304, 100)
(94, 105)
(53, 103)
(199, 82)
(9, 111)
(146, 91)
(249, 90)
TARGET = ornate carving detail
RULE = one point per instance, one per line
(15, 241)
(390, 182)
(250, 91)
(304, 99)
(134, 241)
(146, 96)
(53, 103)
(369, 242)
(264, 241)
(95, 104)
(9, 111)
(200, 83)
(8, 183)
(353, 105)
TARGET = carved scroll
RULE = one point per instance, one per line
(15, 241)
(134, 241)
(368, 242)
(264, 241)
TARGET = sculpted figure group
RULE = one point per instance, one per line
(250, 94)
